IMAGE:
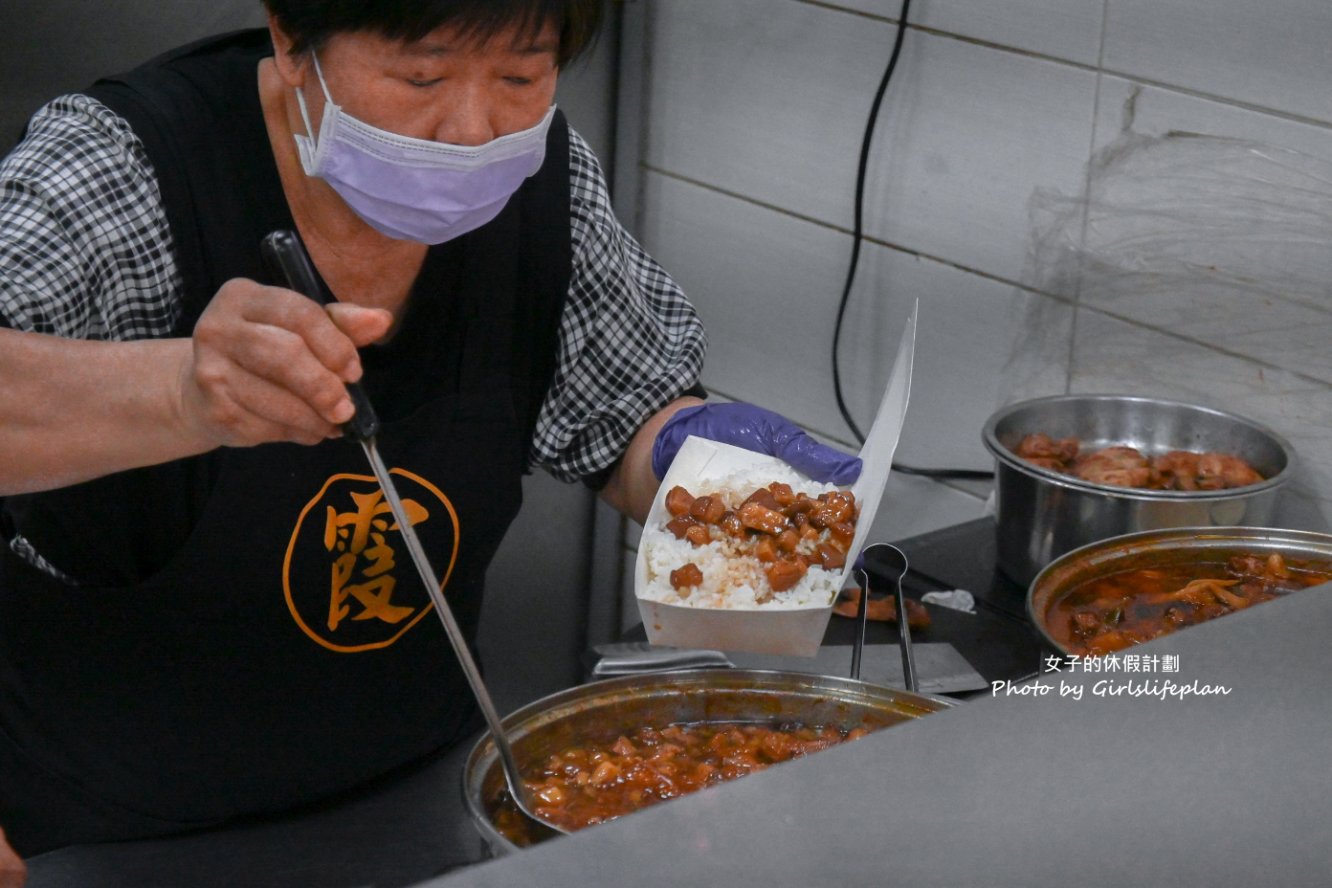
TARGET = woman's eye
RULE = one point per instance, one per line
(518, 81)
(424, 83)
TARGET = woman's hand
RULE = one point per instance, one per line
(13, 872)
(269, 364)
(753, 428)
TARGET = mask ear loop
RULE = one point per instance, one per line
(300, 99)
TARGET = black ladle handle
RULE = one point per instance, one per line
(287, 262)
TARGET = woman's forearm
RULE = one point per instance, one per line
(13, 872)
(71, 410)
(632, 486)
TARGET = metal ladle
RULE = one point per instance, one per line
(884, 562)
(286, 259)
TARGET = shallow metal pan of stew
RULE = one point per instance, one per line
(1308, 554)
(601, 711)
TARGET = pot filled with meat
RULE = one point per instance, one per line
(1074, 469)
(1108, 596)
(601, 751)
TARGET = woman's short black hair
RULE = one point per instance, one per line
(311, 22)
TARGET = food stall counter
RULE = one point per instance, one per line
(1205, 764)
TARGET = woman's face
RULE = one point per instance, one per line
(443, 87)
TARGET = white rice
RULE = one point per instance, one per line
(730, 580)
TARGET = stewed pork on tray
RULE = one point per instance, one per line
(1125, 466)
(1114, 612)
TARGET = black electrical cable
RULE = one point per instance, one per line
(856, 236)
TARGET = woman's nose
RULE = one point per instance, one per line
(467, 121)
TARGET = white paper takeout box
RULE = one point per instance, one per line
(792, 631)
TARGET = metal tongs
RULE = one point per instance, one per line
(884, 562)
(286, 259)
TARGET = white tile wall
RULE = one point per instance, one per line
(1129, 105)
(966, 136)
(1274, 55)
(1063, 29)
(960, 149)
(764, 281)
(1222, 241)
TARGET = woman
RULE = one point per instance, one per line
(204, 610)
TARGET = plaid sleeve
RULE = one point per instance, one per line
(85, 250)
(629, 341)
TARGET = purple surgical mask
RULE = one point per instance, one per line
(416, 189)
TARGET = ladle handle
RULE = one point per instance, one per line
(862, 619)
(287, 262)
(904, 630)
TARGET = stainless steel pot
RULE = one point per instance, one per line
(1160, 548)
(602, 711)
(1042, 514)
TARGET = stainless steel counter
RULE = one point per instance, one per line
(1022, 790)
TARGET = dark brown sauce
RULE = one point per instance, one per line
(1117, 611)
(588, 784)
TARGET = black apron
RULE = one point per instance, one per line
(249, 633)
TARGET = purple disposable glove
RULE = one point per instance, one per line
(753, 428)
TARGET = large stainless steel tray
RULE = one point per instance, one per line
(603, 710)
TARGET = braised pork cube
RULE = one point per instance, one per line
(708, 509)
(758, 517)
(678, 501)
(686, 577)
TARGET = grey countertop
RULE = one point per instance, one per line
(1022, 790)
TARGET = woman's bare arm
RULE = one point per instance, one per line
(264, 364)
(13, 872)
(72, 410)
(632, 486)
